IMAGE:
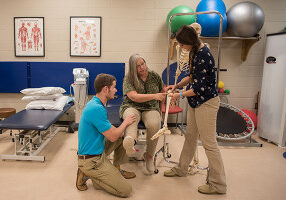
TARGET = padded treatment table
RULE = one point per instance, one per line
(36, 129)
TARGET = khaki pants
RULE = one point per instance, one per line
(104, 174)
(201, 123)
(152, 122)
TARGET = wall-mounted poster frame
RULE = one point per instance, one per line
(29, 36)
(85, 36)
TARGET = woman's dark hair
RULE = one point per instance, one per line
(103, 80)
(187, 35)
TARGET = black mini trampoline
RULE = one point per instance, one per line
(233, 124)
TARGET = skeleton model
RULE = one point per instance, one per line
(165, 129)
(183, 64)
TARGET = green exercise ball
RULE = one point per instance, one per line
(178, 21)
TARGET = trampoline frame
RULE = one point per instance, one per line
(245, 134)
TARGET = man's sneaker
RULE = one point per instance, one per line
(127, 175)
(128, 144)
(170, 173)
(208, 189)
(81, 180)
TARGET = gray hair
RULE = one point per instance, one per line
(132, 73)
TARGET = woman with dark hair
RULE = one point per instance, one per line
(203, 106)
(143, 92)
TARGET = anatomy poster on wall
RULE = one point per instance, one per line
(85, 36)
(29, 36)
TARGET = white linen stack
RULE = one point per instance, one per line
(47, 98)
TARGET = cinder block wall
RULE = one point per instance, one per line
(135, 26)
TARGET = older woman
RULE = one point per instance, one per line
(143, 91)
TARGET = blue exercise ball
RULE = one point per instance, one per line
(210, 22)
(245, 19)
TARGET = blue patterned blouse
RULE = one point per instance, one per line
(204, 78)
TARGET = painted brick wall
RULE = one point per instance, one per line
(136, 26)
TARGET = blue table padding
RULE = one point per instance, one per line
(33, 119)
(113, 107)
(13, 77)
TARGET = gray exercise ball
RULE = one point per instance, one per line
(244, 19)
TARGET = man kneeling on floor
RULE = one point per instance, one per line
(97, 138)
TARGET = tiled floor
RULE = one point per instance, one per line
(254, 173)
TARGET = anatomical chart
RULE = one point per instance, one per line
(85, 36)
(29, 36)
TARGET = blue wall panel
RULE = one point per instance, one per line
(59, 74)
(13, 77)
(51, 74)
(19, 75)
(115, 69)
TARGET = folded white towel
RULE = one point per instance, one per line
(57, 104)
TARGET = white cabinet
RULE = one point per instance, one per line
(272, 107)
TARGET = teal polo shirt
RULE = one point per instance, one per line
(93, 123)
